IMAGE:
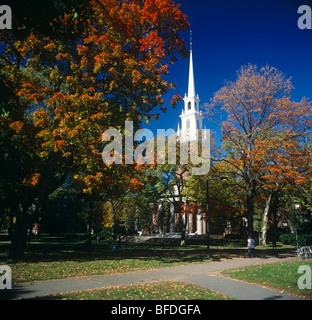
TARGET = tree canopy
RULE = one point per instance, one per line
(262, 129)
(67, 76)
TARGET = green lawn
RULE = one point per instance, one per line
(154, 291)
(64, 259)
(59, 260)
(25, 272)
(282, 276)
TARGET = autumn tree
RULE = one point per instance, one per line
(92, 70)
(223, 195)
(173, 184)
(176, 176)
(287, 169)
(162, 183)
(260, 118)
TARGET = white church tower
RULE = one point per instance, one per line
(191, 117)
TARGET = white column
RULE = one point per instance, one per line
(160, 219)
(172, 218)
(200, 223)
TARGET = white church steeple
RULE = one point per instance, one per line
(191, 117)
(191, 83)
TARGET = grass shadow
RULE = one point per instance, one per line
(62, 250)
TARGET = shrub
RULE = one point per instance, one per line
(290, 239)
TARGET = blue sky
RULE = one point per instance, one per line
(230, 33)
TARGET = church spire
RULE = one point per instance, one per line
(191, 40)
(191, 117)
(191, 84)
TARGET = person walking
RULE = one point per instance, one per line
(251, 247)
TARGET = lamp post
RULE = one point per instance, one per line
(207, 220)
(207, 211)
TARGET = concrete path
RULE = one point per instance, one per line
(204, 275)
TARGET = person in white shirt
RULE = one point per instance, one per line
(251, 246)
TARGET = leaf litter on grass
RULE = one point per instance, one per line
(166, 290)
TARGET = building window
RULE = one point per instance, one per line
(188, 124)
(189, 106)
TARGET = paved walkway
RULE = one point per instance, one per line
(204, 275)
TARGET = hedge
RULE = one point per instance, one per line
(290, 239)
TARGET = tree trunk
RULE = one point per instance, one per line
(113, 220)
(19, 237)
(273, 212)
(265, 220)
(250, 208)
(26, 210)
(89, 223)
(30, 202)
(184, 224)
(183, 233)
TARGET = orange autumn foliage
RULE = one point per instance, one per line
(264, 130)
(93, 75)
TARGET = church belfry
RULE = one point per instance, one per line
(191, 117)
